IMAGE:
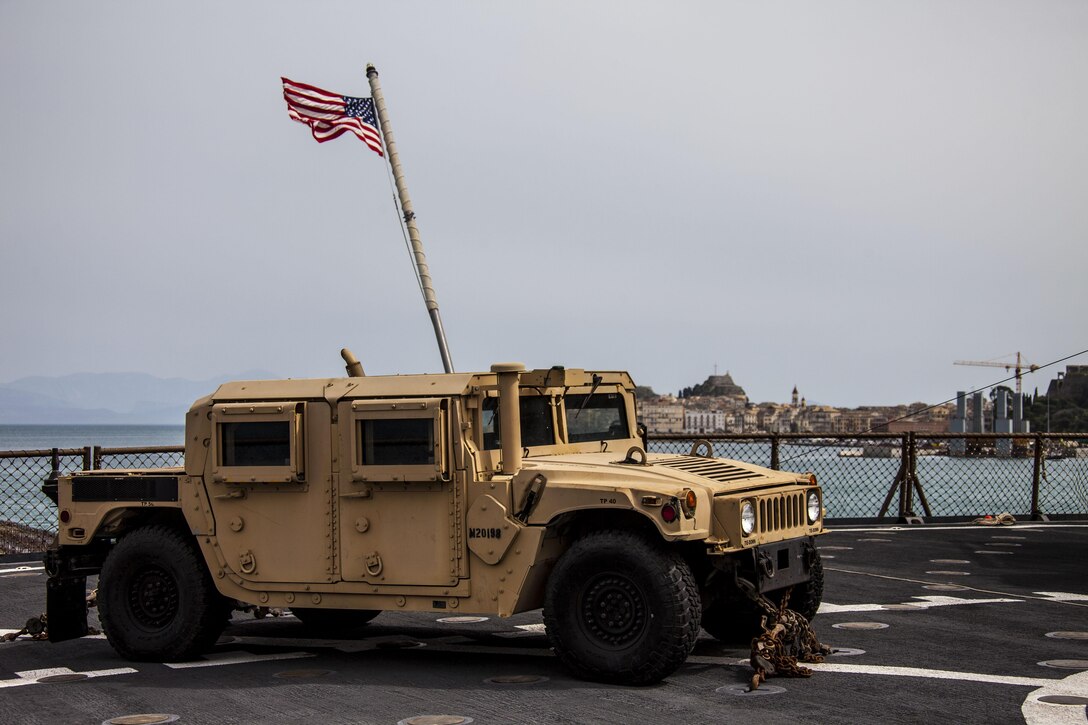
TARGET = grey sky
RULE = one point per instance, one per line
(846, 196)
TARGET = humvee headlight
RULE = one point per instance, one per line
(747, 518)
(813, 506)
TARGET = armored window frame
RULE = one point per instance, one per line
(432, 410)
(231, 416)
(490, 435)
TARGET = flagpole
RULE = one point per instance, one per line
(409, 216)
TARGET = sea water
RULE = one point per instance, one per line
(38, 437)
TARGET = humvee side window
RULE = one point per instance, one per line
(597, 417)
(265, 443)
(396, 441)
(258, 442)
(537, 427)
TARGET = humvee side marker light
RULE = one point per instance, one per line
(690, 501)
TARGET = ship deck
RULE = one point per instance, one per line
(950, 623)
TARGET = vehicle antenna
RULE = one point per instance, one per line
(409, 216)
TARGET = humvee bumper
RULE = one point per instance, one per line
(782, 564)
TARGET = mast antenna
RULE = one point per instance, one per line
(409, 216)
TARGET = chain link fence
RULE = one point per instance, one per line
(939, 475)
(28, 519)
(870, 476)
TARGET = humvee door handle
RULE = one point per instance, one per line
(236, 493)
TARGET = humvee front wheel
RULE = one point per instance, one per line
(333, 621)
(621, 608)
(155, 597)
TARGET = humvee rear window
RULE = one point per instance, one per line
(537, 428)
(256, 444)
(396, 441)
(597, 417)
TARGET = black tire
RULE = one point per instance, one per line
(332, 621)
(732, 617)
(806, 598)
(156, 599)
(732, 620)
(621, 608)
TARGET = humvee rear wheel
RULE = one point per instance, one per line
(732, 617)
(155, 597)
(331, 621)
(621, 608)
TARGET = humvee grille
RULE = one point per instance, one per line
(708, 468)
(782, 511)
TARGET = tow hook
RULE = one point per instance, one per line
(811, 555)
(767, 565)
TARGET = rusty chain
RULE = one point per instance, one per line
(38, 627)
(787, 639)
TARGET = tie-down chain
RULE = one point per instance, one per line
(787, 638)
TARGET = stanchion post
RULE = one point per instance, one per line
(1036, 480)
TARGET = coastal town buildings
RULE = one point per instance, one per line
(662, 415)
(719, 405)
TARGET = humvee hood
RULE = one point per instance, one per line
(717, 475)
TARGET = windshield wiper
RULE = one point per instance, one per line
(597, 380)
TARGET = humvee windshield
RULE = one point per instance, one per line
(596, 417)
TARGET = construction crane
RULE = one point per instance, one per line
(1019, 366)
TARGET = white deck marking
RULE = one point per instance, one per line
(1045, 713)
(1063, 596)
(941, 527)
(525, 630)
(889, 577)
(890, 671)
(24, 567)
(27, 636)
(236, 658)
(925, 603)
(31, 677)
(929, 674)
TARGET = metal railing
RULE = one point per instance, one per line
(28, 519)
(874, 476)
(914, 475)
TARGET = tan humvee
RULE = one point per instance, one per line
(485, 493)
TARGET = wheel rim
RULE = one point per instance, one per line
(153, 597)
(613, 609)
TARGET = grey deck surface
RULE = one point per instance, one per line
(967, 654)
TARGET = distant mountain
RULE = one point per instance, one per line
(103, 398)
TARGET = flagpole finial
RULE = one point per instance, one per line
(371, 70)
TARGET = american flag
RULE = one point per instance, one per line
(328, 115)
